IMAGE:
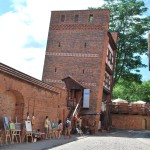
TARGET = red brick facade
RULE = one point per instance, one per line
(131, 122)
(20, 93)
(80, 46)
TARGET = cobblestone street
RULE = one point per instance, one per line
(128, 140)
(115, 140)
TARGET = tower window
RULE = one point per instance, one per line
(62, 18)
(91, 18)
(85, 44)
(83, 71)
(76, 19)
(55, 69)
(59, 44)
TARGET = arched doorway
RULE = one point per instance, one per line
(12, 105)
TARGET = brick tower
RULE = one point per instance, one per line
(80, 50)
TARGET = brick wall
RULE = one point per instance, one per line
(77, 47)
(18, 96)
(131, 122)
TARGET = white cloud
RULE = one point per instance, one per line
(26, 26)
(29, 20)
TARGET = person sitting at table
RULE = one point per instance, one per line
(40, 135)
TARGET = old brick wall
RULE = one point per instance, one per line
(131, 122)
(78, 48)
(17, 97)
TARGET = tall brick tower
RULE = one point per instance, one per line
(80, 49)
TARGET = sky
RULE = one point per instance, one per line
(24, 28)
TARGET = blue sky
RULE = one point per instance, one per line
(24, 29)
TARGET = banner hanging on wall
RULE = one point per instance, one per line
(86, 98)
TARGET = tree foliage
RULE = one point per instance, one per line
(127, 18)
(132, 91)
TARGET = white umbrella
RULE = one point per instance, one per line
(119, 100)
(139, 102)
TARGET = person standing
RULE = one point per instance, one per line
(46, 127)
(60, 129)
(80, 122)
(67, 128)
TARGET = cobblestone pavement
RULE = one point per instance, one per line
(115, 140)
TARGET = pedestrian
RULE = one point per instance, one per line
(80, 123)
(46, 123)
(67, 128)
(60, 129)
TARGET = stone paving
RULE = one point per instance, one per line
(115, 140)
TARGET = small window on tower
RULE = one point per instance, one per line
(55, 69)
(76, 19)
(85, 44)
(83, 71)
(59, 44)
(62, 18)
(91, 18)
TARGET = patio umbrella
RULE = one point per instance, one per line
(139, 102)
(119, 100)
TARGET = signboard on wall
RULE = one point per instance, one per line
(86, 98)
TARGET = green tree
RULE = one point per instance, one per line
(126, 90)
(132, 91)
(144, 91)
(127, 18)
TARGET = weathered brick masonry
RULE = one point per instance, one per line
(20, 93)
(131, 122)
(77, 46)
